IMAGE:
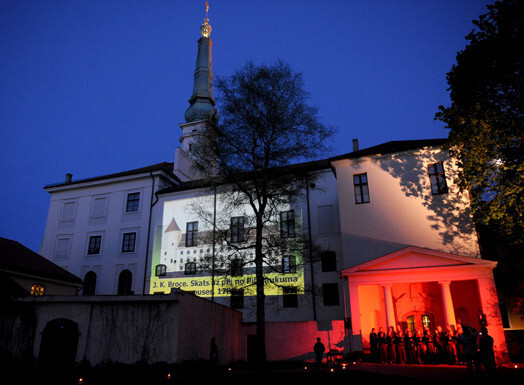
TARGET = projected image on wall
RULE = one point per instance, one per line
(209, 250)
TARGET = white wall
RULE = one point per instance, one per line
(402, 210)
(110, 223)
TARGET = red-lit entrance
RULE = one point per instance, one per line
(415, 288)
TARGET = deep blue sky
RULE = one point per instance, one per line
(100, 86)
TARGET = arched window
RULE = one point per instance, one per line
(124, 283)
(90, 283)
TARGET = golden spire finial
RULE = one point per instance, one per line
(205, 29)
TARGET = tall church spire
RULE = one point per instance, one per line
(202, 103)
(201, 110)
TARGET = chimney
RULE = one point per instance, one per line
(69, 177)
(355, 144)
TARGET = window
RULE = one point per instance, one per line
(289, 297)
(190, 268)
(95, 242)
(237, 229)
(426, 321)
(89, 283)
(287, 224)
(128, 242)
(191, 233)
(360, 182)
(124, 283)
(68, 212)
(160, 270)
(330, 294)
(37, 290)
(410, 320)
(133, 202)
(236, 268)
(328, 261)
(289, 264)
(62, 247)
(237, 299)
(99, 207)
(437, 178)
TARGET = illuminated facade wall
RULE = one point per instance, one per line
(188, 264)
(398, 211)
(402, 209)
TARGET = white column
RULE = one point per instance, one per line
(449, 311)
(356, 333)
(390, 310)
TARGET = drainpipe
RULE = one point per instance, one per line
(213, 256)
(149, 229)
(310, 251)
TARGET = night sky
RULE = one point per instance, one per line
(100, 86)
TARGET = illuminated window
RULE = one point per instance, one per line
(190, 268)
(289, 264)
(133, 202)
(237, 299)
(37, 289)
(89, 283)
(437, 178)
(330, 294)
(426, 321)
(289, 297)
(287, 224)
(94, 244)
(191, 233)
(236, 268)
(360, 182)
(411, 323)
(128, 242)
(160, 270)
(329, 261)
(237, 229)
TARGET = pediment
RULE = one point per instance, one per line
(415, 258)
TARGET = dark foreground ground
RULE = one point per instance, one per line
(275, 373)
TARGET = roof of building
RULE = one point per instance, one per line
(17, 258)
(392, 147)
(296, 169)
(164, 166)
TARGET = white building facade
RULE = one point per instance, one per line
(98, 228)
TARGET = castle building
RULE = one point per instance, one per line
(385, 240)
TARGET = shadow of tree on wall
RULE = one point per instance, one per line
(448, 213)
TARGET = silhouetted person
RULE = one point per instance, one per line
(373, 343)
(382, 346)
(486, 353)
(319, 351)
(392, 353)
(213, 351)
(468, 341)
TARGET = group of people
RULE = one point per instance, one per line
(461, 346)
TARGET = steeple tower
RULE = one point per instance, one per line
(201, 110)
(202, 104)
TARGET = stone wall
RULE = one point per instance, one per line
(147, 329)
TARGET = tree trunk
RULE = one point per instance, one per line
(261, 298)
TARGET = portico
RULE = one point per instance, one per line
(416, 287)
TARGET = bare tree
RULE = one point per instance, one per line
(266, 129)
